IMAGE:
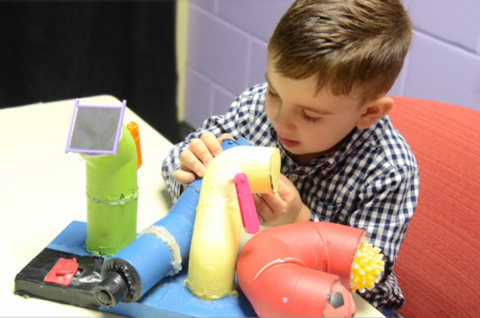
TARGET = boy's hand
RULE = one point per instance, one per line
(282, 207)
(199, 154)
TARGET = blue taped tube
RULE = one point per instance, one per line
(130, 273)
(149, 255)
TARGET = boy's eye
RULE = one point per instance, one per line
(272, 94)
(308, 118)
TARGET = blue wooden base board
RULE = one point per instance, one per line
(169, 298)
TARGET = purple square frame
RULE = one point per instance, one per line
(117, 136)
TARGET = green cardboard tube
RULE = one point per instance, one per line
(112, 198)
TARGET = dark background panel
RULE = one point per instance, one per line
(67, 49)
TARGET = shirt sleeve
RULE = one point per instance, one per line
(387, 204)
(236, 121)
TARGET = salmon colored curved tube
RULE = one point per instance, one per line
(300, 270)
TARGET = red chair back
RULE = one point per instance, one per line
(438, 264)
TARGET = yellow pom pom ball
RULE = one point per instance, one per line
(367, 268)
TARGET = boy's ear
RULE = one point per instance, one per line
(373, 110)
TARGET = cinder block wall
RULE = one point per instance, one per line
(226, 52)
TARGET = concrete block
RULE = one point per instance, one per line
(442, 72)
(258, 63)
(455, 21)
(198, 98)
(209, 5)
(217, 49)
(222, 101)
(257, 17)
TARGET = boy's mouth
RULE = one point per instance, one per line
(288, 143)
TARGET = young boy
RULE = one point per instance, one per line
(330, 64)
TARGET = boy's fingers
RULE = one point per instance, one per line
(190, 163)
(263, 209)
(201, 151)
(211, 143)
(225, 136)
(184, 177)
(261, 219)
(274, 202)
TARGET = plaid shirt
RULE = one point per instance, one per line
(370, 182)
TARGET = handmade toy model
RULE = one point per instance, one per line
(84, 271)
(304, 269)
(216, 234)
(307, 269)
(111, 153)
(160, 248)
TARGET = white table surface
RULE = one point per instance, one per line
(42, 189)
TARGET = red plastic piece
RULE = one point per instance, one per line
(133, 128)
(347, 309)
(294, 269)
(247, 206)
(62, 272)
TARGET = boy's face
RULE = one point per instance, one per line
(308, 124)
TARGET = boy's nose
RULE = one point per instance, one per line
(285, 120)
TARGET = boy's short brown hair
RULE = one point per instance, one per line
(349, 44)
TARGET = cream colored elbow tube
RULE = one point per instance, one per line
(218, 223)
